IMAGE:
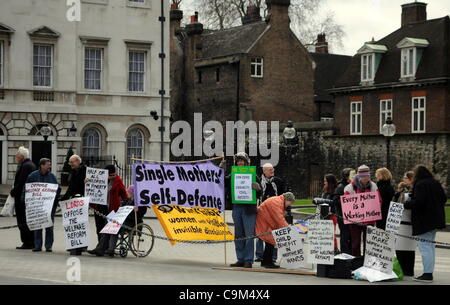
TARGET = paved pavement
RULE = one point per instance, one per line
(166, 264)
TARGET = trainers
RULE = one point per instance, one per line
(248, 265)
(237, 264)
(425, 278)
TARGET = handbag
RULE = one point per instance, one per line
(8, 209)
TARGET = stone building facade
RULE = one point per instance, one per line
(100, 76)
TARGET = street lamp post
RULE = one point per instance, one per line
(289, 134)
(388, 130)
(45, 131)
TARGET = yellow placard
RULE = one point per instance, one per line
(192, 223)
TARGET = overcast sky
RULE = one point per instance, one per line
(364, 19)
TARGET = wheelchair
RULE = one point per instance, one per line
(139, 240)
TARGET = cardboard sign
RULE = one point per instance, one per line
(362, 207)
(192, 224)
(321, 242)
(394, 218)
(96, 187)
(76, 222)
(39, 200)
(188, 185)
(380, 250)
(116, 220)
(290, 248)
(242, 178)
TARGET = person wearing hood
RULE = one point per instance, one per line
(244, 218)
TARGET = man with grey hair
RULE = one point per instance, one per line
(24, 168)
(271, 186)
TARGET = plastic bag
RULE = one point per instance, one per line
(8, 209)
(398, 270)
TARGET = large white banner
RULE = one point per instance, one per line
(380, 250)
(75, 214)
(96, 185)
(321, 242)
(39, 199)
(116, 220)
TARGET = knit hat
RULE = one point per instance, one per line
(241, 156)
(363, 171)
(111, 169)
(289, 196)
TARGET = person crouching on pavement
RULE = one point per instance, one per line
(271, 217)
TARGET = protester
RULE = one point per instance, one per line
(405, 247)
(24, 168)
(139, 212)
(244, 217)
(271, 217)
(77, 179)
(387, 192)
(345, 240)
(360, 184)
(427, 207)
(271, 186)
(116, 193)
(44, 175)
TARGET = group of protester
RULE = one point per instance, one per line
(117, 195)
(422, 196)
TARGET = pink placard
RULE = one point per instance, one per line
(362, 207)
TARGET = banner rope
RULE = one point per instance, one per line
(177, 162)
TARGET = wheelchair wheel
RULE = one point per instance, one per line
(122, 245)
(142, 244)
(123, 252)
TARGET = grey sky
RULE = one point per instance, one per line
(364, 19)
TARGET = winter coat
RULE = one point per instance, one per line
(427, 206)
(24, 169)
(270, 217)
(337, 198)
(387, 193)
(352, 189)
(76, 182)
(117, 193)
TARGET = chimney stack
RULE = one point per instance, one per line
(252, 15)
(322, 44)
(176, 15)
(414, 12)
(195, 27)
(278, 13)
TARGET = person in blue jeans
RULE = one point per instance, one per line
(44, 175)
(244, 217)
(427, 207)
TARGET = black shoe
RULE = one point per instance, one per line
(48, 250)
(109, 253)
(337, 251)
(258, 260)
(425, 278)
(37, 249)
(271, 266)
(248, 265)
(237, 264)
(95, 252)
(25, 247)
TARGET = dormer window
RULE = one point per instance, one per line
(371, 54)
(411, 54)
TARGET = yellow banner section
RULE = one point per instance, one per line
(192, 224)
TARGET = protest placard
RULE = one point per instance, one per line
(96, 187)
(394, 217)
(192, 223)
(76, 222)
(242, 178)
(321, 242)
(115, 221)
(39, 200)
(290, 248)
(188, 185)
(362, 207)
(380, 250)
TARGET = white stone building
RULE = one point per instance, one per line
(101, 75)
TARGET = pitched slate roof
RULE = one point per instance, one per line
(231, 41)
(329, 68)
(435, 62)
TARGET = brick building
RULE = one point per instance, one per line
(257, 71)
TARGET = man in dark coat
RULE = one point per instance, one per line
(24, 169)
(427, 207)
(345, 240)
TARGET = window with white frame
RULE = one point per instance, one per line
(93, 66)
(135, 144)
(91, 143)
(356, 118)
(2, 56)
(136, 71)
(386, 111)
(418, 114)
(408, 62)
(367, 67)
(257, 67)
(42, 65)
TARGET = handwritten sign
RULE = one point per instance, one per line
(76, 222)
(97, 185)
(380, 250)
(39, 200)
(362, 207)
(394, 218)
(242, 178)
(290, 248)
(321, 242)
(115, 221)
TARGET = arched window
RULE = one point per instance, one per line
(91, 143)
(135, 144)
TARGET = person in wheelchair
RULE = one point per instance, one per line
(138, 211)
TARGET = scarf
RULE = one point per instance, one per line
(265, 181)
(362, 187)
